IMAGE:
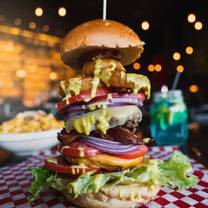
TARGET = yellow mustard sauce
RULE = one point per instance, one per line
(120, 194)
(96, 79)
(131, 195)
(81, 151)
(73, 88)
(84, 124)
(52, 160)
(97, 105)
(138, 195)
(140, 82)
(103, 121)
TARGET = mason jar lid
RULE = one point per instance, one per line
(171, 95)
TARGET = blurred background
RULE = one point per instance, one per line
(175, 33)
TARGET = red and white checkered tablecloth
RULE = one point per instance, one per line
(15, 180)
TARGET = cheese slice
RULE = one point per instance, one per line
(108, 162)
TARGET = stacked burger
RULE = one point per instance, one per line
(101, 161)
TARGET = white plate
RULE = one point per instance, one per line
(28, 143)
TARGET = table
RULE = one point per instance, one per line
(15, 180)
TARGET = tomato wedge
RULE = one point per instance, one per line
(58, 165)
(131, 155)
(101, 91)
(78, 149)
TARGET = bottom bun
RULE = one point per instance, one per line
(119, 196)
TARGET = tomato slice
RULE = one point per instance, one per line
(58, 165)
(101, 91)
(131, 155)
(78, 149)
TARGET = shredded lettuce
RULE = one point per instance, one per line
(174, 172)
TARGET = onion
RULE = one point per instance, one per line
(111, 102)
(108, 146)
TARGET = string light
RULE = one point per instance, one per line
(17, 21)
(21, 73)
(62, 11)
(158, 67)
(180, 68)
(32, 25)
(151, 68)
(198, 25)
(136, 66)
(39, 11)
(189, 50)
(193, 88)
(145, 25)
(53, 76)
(191, 18)
(45, 28)
(176, 56)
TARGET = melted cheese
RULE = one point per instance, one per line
(100, 119)
(108, 162)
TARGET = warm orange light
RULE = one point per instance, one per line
(45, 28)
(176, 56)
(53, 76)
(151, 68)
(39, 11)
(145, 25)
(136, 66)
(17, 21)
(20, 73)
(198, 25)
(193, 88)
(158, 67)
(191, 18)
(32, 25)
(62, 11)
(180, 68)
(189, 50)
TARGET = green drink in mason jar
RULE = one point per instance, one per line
(169, 118)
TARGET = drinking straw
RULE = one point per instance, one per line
(176, 79)
(104, 9)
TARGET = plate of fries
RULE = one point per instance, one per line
(29, 131)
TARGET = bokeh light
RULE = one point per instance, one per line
(39, 11)
(191, 18)
(45, 28)
(176, 56)
(198, 25)
(189, 50)
(193, 88)
(158, 67)
(53, 76)
(180, 68)
(32, 25)
(151, 68)
(62, 11)
(17, 21)
(145, 25)
(136, 66)
(20, 73)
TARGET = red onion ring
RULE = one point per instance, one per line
(107, 146)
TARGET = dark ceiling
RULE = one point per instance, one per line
(169, 30)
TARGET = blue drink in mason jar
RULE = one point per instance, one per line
(169, 118)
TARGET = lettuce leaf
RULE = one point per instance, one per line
(174, 172)
(42, 178)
